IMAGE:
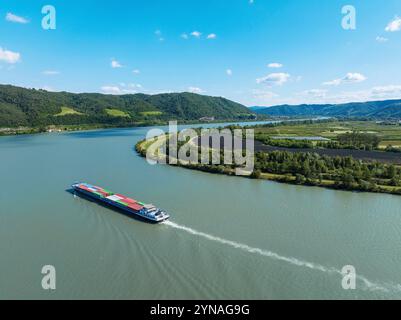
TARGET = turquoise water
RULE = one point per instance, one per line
(228, 237)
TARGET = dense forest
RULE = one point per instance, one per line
(33, 108)
(313, 169)
(388, 109)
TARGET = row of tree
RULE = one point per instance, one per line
(313, 168)
(353, 140)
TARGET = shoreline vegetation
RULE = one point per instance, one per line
(304, 168)
(83, 127)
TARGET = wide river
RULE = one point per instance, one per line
(228, 238)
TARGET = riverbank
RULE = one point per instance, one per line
(85, 127)
(345, 183)
(48, 129)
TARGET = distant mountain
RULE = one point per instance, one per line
(31, 107)
(389, 109)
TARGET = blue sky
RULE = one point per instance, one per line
(264, 52)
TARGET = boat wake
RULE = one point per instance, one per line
(367, 284)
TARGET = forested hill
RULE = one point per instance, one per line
(389, 109)
(31, 107)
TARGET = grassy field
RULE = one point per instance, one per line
(389, 134)
(117, 113)
(151, 113)
(67, 111)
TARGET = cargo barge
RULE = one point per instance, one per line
(130, 206)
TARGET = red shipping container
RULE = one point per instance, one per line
(135, 207)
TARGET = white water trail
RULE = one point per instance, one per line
(368, 285)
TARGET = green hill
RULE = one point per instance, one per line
(388, 109)
(31, 107)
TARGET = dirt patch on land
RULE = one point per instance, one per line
(381, 156)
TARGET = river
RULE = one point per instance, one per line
(228, 238)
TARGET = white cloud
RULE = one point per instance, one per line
(212, 36)
(115, 64)
(50, 72)
(122, 88)
(315, 93)
(17, 19)
(195, 90)
(394, 25)
(318, 96)
(381, 39)
(184, 36)
(229, 72)
(274, 79)
(389, 90)
(111, 89)
(196, 34)
(265, 96)
(375, 93)
(349, 78)
(9, 56)
(275, 65)
(136, 71)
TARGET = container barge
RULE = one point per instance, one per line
(146, 211)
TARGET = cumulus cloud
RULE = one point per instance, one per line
(212, 36)
(229, 72)
(136, 71)
(195, 90)
(9, 56)
(394, 25)
(274, 79)
(184, 36)
(348, 78)
(381, 39)
(196, 34)
(275, 65)
(111, 89)
(16, 19)
(115, 64)
(122, 88)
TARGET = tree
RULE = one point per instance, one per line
(256, 174)
(300, 179)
